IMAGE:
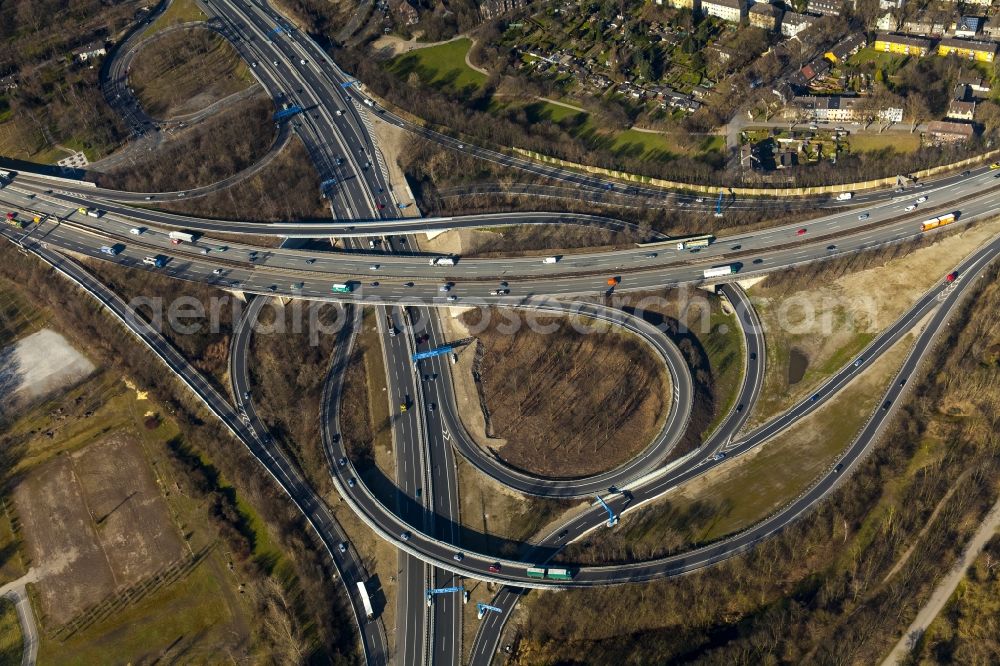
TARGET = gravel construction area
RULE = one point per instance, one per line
(37, 365)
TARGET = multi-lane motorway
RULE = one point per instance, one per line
(423, 523)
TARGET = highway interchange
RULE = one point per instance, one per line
(342, 148)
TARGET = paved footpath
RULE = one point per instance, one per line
(945, 588)
(29, 631)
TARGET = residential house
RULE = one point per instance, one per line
(958, 110)
(947, 132)
(825, 7)
(835, 109)
(811, 71)
(700, 92)
(891, 4)
(968, 27)
(887, 22)
(977, 84)
(918, 27)
(902, 44)
(727, 10)
(992, 28)
(90, 54)
(693, 5)
(968, 48)
(846, 47)
(792, 23)
(765, 15)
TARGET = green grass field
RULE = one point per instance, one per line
(441, 66)
(11, 644)
(871, 143)
(179, 11)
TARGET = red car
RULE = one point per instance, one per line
(800, 232)
(495, 567)
(381, 206)
(951, 277)
(11, 216)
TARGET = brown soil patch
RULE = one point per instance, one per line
(97, 522)
(567, 403)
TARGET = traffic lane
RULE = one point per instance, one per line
(292, 483)
(477, 269)
(631, 574)
(631, 260)
(253, 279)
(658, 449)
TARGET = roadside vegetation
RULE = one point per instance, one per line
(185, 71)
(747, 489)
(179, 11)
(204, 341)
(222, 145)
(365, 417)
(50, 98)
(966, 630)
(824, 589)
(285, 189)
(289, 361)
(817, 318)
(559, 402)
(11, 640)
(444, 182)
(247, 579)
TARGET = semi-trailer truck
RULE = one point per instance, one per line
(938, 221)
(442, 261)
(719, 271)
(365, 601)
(184, 236)
(698, 241)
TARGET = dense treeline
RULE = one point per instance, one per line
(259, 198)
(290, 362)
(57, 99)
(837, 586)
(222, 145)
(304, 595)
(430, 169)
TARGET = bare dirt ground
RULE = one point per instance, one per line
(392, 142)
(97, 521)
(390, 46)
(832, 321)
(186, 71)
(36, 366)
(566, 403)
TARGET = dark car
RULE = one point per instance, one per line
(838, 468)
(885, 405)
(562, 535)
(758, 261)
(342, 462)
(739, 408)
(753, 356)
